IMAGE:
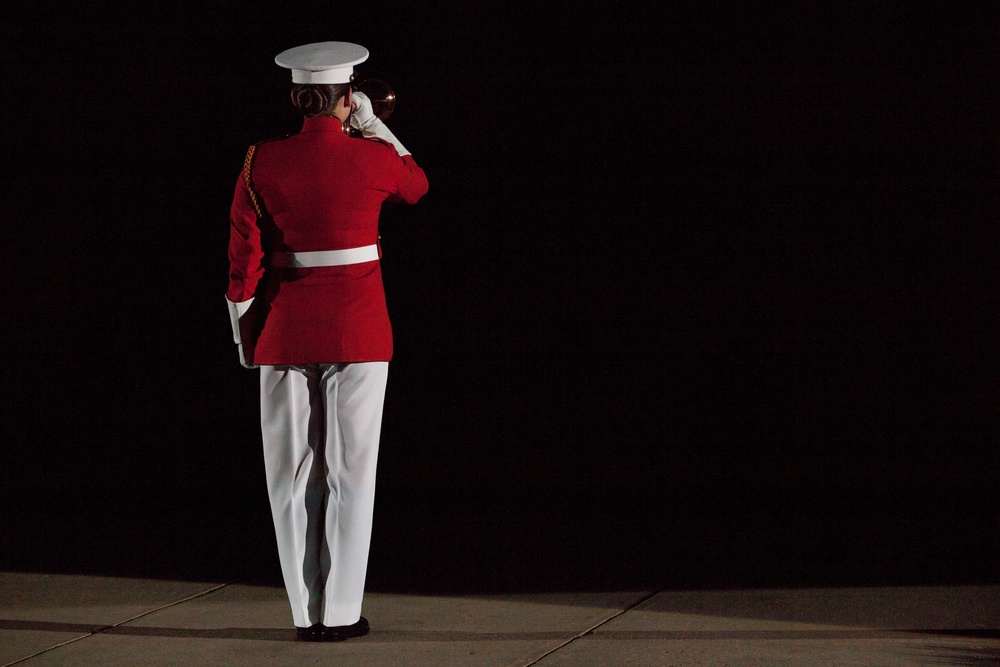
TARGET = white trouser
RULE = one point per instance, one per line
(320, 426)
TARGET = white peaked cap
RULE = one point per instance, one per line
(322, 62)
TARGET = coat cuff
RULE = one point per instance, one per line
(236, 311)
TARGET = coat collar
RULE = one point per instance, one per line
(323, 124)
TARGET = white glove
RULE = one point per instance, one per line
(236, 310)
(362, 114)
(363, 118)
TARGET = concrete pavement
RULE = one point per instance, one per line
(48, 619)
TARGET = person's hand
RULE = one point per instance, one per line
(363, 115)
(236, 311)
(243, 360)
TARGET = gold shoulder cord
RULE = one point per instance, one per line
(247, 164)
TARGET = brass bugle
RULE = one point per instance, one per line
(382, 97)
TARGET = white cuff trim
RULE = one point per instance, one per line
(236, 311)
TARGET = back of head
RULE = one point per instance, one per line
(318, 99)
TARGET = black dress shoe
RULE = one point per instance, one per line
(339, 633)
(313, 633)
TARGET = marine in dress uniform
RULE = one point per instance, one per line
(308, 308)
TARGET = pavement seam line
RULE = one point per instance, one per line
(592, 628)
(104, 628)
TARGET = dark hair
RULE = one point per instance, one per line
(318, 99)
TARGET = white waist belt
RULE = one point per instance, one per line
(307, 260)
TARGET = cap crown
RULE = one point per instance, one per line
(322, 62)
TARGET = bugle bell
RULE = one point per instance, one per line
(382, 97)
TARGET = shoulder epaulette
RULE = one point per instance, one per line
(267, 141)
(379, 141)
(355, 133)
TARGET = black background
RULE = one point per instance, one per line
(697, 298)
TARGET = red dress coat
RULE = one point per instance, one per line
(317, 190)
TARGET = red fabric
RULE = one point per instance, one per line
(319, 190)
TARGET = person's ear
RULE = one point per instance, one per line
(347, 98)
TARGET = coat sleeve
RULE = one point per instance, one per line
(411, 182)
(245, 252)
